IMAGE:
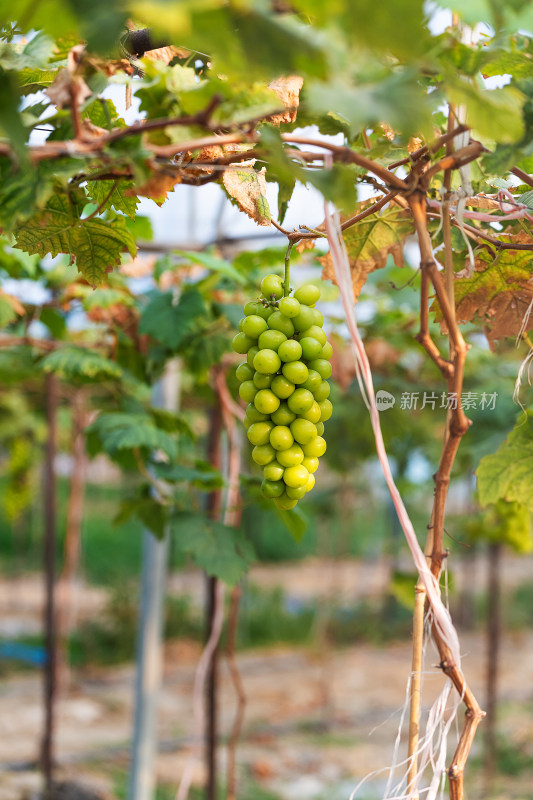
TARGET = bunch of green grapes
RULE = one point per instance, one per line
(284, 382)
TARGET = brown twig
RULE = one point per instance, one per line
(477, 234)
(432, 147)
(524, 177)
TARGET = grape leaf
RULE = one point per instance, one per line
(221, 551)
(76, 363)
(498, 293)
(495, 114)
(121, 431)
(95, 243)
(507, 472)
(170, 322)
(248, 188)
(369, 244)
(115, 194)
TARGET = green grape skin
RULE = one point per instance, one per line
(303, 431)
(273, 471)
(254, 415)
(291, 350)
(327, 351)
(300, 401)
(284, 502)
(254, 325)
(256, 307)
(322, 366)
(326, 410)
(315, 448)
(320, 428)
(272, 286)
(271, 340)
(266, 401)
(259, 432)
(267, 362)
(248, 391)
(311, 348)
(241, 325)
(272, 489)
(295, 493)
(318, 319)
(279, 322)
(322, 392)
(310, 463)
(283, 416)
(244, 372)
(263, 454)
(247, 422)
(315, 332)
(289, 306)
(291, 457)
(305, 318)
(281, 387)
(296, 476)
(262, 381)
(242, 343)
(281, 437)
(314, 413)
(252, 352)
(308, 294)
(296, 371)
(313, 381)
(310, 483)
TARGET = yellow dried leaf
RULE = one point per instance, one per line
(288, 90)
(248, 189)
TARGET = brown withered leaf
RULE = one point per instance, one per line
(248, 188)
(167, 54)
(69, 86)
(369, 244)
(288, 90)
(498, 293)
(156, 187)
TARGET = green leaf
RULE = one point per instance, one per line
(211, 262)
(203, 350)
(221, 551)
(295, 521)
(105, 298)
(506, 474)
(11, 124)
(170, 320)
(8, 309)
(202, 475)
(113, 194)
(495, 114)
(96, 244)
(170, 421)
(32, 79)
(336, 184)
(76, 363)
(153, 514)
(55, 321)
(121, 431)
(140, 228)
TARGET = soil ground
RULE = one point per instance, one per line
(316, 722)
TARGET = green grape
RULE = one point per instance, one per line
(283, 416)
(279, 322)
(254, 415)
(300, 401)
(271, 340)
(281, 437)
(308, 294)
(327, 351)
(291, 350)
(296, 476)
(322, 366)
(272, 489)
(310, 483)
(244, 372)
(259, 432)
(241, 325)
(320, 428)
(322, 392)
(315, 332)
(261, 380)
(303, 431)
(295, 493)
(310, 463)
(267, 362)
(254, 326)
(242, 343)
(252, 352)
(266, 401)
(289, 306)
(272, 286)
(273, 471)
(318, 319)
(247, 422)
(284, 502)
(263, 454)
(291, 457)
(311, 347)
(314, 413)
(304, 319)
(247, 391)
(326, 410)
(281, 387)
(315, 448)
(296, 371)
(313, 381)
(256, 307)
